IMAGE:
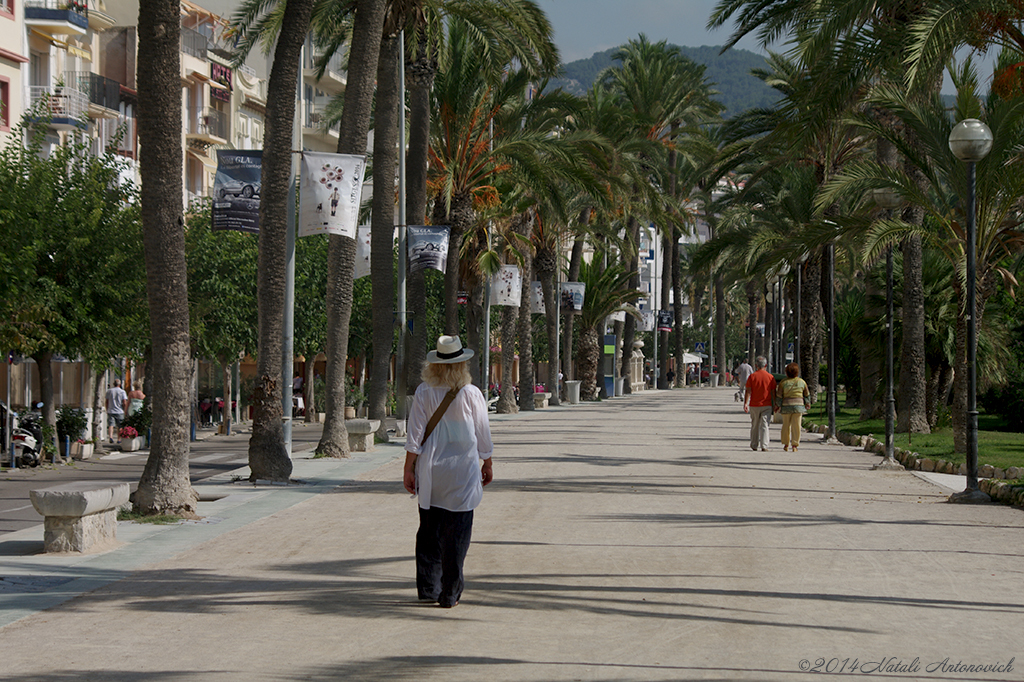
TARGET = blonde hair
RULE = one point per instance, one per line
(453, 375)
(137, 384)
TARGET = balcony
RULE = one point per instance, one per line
(66, 106)
(194, 43)
(208, 127)
(334, 79)
(58, 17)
(103, 92)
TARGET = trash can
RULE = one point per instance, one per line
(572, 392)
(619, 381)
(713, 379)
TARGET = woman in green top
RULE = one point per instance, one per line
(792, 395)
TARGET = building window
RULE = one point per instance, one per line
(7, 8)
(5, 104)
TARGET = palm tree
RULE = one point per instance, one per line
(164, 486)
(608, 290)
(663, 92)
(999, 187)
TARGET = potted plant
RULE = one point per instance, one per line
(82, 449)
(130, 440)
(71, 424)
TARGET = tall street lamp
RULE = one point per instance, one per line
(781, 336)
(799, 296)
(890, 201)
(971, 141)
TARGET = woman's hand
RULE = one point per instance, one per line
(409, 477)
(486, 473)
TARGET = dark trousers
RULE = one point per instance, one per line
(441, 545)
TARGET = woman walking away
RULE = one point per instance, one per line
(793, 396)
(448, 435)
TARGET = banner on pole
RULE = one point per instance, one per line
(362, 252)
(646, 323)
(428, 247)
(665, 320)
(330, 189)
(571, 297)
(507, 286)
(236, 190)
(537, 299)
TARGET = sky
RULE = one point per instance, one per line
(583, 27)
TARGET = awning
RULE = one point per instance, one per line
(84, 54)
(203, 78)
(690, 358)
(210, 164)
(57, 42)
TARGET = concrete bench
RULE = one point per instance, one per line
(79, 516)
(541, 400)
(360, 433)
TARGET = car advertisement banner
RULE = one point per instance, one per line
(330, 191)
(236, 190)
(428, 247)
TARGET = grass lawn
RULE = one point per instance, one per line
(1002, 449)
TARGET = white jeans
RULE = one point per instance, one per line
(760, 417)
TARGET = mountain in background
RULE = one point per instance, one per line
(729, 73)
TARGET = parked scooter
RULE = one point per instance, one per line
(27, 438)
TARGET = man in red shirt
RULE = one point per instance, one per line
(758, 402)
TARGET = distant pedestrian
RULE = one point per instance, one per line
(135, 398)
(448, 436)
(792, 396)
(671, 375)
(743, 373)
(760, 392)
(117, 403)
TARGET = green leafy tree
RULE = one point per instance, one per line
(72, 258)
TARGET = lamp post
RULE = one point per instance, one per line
(971, 141)
(889, 201)
(831, 396)
(769, 327)
(799, 302)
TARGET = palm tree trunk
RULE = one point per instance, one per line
(871, 402)
(419, 78)
(164, 486)
(341, 251)
(811, 324)
(629, 327)
(666, 287)
(587, 359)
(575, 259)
(507, 400)
(268, 453)
(308, 388)
(720, 316)
(546, 266)
(459, 217)
(382, 230)
(912, 412)
(751, 291)
(677, 305)
(526, 378)
(45, 370)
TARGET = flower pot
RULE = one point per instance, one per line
(350, 412)
(132, 444)
(81, 450)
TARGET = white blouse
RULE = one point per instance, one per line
(447, 465)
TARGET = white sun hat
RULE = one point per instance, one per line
(449, 351)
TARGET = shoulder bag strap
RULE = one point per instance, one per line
(438, 413)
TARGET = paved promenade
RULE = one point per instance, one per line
(635, 539)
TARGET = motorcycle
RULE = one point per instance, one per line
(26, 437)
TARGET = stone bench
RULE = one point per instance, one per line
(360, 433)
(79, 516)
(541, 400)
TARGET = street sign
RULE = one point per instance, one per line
(699, 346)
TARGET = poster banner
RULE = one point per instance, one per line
(646, 322)
(571, 297)
(507, 286)
(428, 247)
(665, 320)
(618, 316)
(236, 190)
(362, 252)
(537, 299)
(330, 189)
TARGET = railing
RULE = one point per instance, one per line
(72, 11)
(317, 118)
(193, 43)
(63, 102)
(336, 63)
(102, 91)
(210, 122)
(126, 145)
